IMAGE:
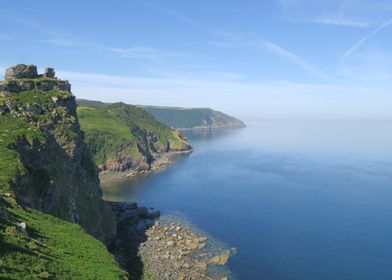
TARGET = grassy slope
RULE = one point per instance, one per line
(109, 128)
(188, 118)
(177, 117)
(53, 249)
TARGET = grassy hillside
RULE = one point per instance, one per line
(116, 130)
(51, 248)
(193, 118)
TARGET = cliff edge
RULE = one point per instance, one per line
(125, 140)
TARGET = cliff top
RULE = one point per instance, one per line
(24, 77)
(29, 71)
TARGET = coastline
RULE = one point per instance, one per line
(149, 246)
(161, 161)
(198, 128)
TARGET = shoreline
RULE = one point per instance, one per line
(161, 162)
(148, 245)
(206, 128)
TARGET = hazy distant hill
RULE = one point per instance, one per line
(193, 118)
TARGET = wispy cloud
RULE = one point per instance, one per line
(170, 13)
(132, 52)
(19, 18)
(273, 47)
(63, 39)
(302, 100)
(145, 52)
(255, 42)
(358, 44)
(341, 22)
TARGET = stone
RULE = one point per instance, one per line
(202, 239)
(202, 266)
(3, 109)
(21, 71)
(221, 259)
(22, 226)
(153, 214)
(49, 73)
(33, 109)
(186, 266)
(63, 85)
(46, 85)
(193, 246)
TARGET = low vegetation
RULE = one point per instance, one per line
(109, 129)
(50, 248)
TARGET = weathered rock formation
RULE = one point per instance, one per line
(61, 178)
(21, 71)
(24, 77)
(49, 73)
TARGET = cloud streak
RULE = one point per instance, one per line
(65, 40)
(264, 100)
(256, 42)
(358, 44)
(171, 13)
(294, 59)
(341, 22)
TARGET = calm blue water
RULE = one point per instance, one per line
(299, 200)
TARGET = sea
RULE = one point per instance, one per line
(299, 200)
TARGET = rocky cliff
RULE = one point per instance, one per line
(55, 174)
(126, 140)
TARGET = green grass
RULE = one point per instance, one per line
(30, 97)
(10, 166)
(110, 129)
(52, 249)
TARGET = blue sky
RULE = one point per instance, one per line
(255, 59)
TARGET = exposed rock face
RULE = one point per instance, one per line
(21, 71)
(49, 73)
(170, 251)
(44, 84)
(61, 179)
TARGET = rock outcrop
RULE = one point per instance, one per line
(21, 71)
(49, 73)
(24, 77)
(167, 251)
(61, 178)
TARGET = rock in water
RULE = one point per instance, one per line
(21, 71)
(221, 259)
